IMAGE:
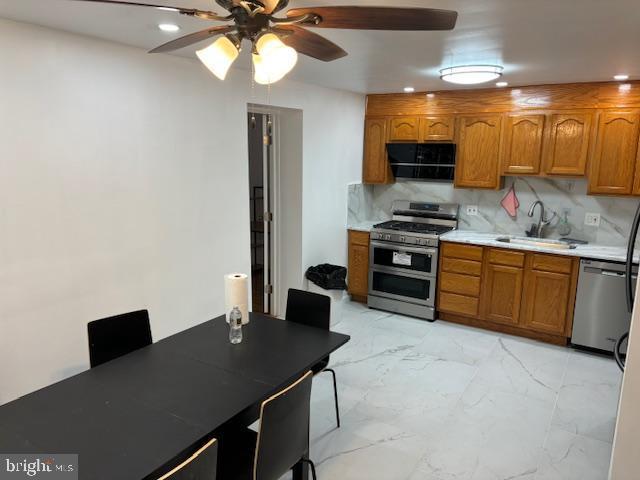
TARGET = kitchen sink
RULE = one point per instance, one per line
(536, 242)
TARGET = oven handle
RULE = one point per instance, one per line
(397, 247)
(403, 272)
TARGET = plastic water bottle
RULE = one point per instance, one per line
(235, 326)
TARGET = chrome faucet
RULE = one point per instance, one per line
(536, 230)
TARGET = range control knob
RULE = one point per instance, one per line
(387, 237)
(402, 239)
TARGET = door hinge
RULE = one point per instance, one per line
(268, 217)
(267, 139)
(268, 289)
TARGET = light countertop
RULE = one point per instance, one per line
(591, 250)
(363, 226)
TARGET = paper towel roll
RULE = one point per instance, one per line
(236, 294)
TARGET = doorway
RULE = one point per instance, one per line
(260, 130)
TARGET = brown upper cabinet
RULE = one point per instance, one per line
(478, 158)
(375, 168)
(437, 128)
(636, 182)
(522, 146)
(567, 143)
(614, 158)
(404, 129)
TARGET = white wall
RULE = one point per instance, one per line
(625, 461)
(123, 184)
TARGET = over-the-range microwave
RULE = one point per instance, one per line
(423, 161)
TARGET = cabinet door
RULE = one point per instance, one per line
(478, 151)
(502, 293)
(614, 157)
(636, 182)
(523, 144)
(375, 167)
(437, 128)
(568, 143)
(358, 271)
(404, 129)
(546, 301)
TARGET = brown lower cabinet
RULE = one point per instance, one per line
(358, 268)
(520, 293)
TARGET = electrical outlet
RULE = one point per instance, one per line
(592, 219)
(472, 210)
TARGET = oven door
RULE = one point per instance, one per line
(408, 287)
(400, 258)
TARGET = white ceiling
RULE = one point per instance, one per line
(538, 41)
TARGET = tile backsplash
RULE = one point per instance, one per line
(373, 202)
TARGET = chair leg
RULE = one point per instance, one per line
(335, 393)
(313, 468)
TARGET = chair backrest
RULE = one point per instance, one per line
(283, 437)
(201, 465)
(113, 337)
(309, 308)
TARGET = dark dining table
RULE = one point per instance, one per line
(137, 415)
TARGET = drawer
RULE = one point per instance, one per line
(361, 238)
(466, 267)
(452, 303)
(551, 263)
(457, 250)
(506, 257)
(460, 284)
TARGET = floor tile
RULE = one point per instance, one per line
(438, 401)
(365, 449)
(567, 456)
(492, 434)
(526, 367)
(588, 399)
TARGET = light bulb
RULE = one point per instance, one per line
(219, 56)
(273, 60)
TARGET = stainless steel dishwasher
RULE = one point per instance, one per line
(601, 315)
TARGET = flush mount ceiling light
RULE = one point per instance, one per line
(409, 89)
(277, 40)
(501, 84)
(471, 74)
(168, 27)
(621, 77)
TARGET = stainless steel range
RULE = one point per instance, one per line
(403, 257)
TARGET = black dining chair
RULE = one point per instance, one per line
(201, 465)
(282, 440)
(313, 309)
(113, 337)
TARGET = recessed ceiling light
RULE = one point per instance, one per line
(168, 27)
(168, 9)
(471, 74)
(431, 95)
(621, 77)
(501, 84)
(409, 89)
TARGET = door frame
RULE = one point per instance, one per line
(271, 175)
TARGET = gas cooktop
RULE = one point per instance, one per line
(414, 227)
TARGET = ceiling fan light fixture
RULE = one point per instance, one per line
(273, 59)
(219, 56)
(471, 74)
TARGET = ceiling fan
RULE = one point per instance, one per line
(275, 40)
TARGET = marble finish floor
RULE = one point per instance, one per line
(438, 401)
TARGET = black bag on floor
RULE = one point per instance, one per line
(329, 277)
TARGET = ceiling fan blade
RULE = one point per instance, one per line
(309, 43)
(380, 18)
(193, 38)
(205, 14)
